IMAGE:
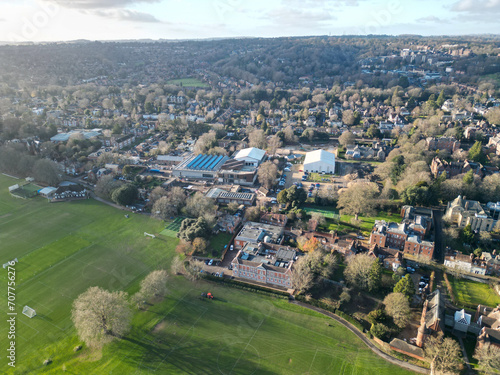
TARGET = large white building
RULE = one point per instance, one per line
(319, 161)
(251, 156)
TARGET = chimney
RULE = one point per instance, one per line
(421, 335)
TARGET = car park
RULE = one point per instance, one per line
(410, 269)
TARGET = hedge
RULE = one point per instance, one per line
(244, 286)
(324, 306)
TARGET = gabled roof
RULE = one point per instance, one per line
(252, 152)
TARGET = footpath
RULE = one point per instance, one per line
(361, 335)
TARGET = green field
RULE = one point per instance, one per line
(470, 293)
(218, 242)
(64, 248)
(188, 82)
(330, 214)
(173, 227)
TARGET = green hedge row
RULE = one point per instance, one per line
(244, 286)
(324, 306)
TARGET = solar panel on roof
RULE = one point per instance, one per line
(194, 161)
(199, 162)
(215, 162)
(205, 162)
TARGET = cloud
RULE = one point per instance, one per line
(432, 19)
(124, 15)
(294, 17)
(477, 10)
(96, 4)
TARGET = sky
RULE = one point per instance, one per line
(62, 20)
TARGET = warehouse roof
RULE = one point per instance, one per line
(319, 155)
(252, 152)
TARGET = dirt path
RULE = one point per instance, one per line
(387, 357)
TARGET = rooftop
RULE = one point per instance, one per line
(203, 162)
(319, 155)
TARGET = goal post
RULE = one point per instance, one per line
(29, 312)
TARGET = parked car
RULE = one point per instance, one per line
(211, 262)
(410, 269)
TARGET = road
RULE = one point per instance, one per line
(438, 235)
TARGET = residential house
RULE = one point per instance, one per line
(465, 263)
(442, 143)
(489, 322)
(279, 220)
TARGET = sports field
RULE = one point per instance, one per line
(188, 82)
(173, 227)
(63, 248)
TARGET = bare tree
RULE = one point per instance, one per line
(169, 205)
(198, 205)
(290, 134)
(302, 275)
(398, 307)
(444, 354)
(267, 174)
(193, 269)
(155, 284)
(257, 138)
(205, 142)
(101, 316)
(106, 185)
(357, 198)
(177, 266)
(489, 359)
(358, 269)
(347, 138)
(273, 144)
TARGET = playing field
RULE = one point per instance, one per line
(188, 82)
(173, 227)
(63, 248)
(326, 213)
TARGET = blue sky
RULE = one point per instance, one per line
(54, 20)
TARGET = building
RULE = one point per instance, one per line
(461, 321)
(228, 223)
(492, 262)
(493, 209)
(252, 157)
(319, 161)
(467, 212)
(237, 172)
(465, 263)
(406, 236)
(454, 168)
(390, 258)
(432, 319)
(199, 167)
(279, 220)
(489, 322)
(253, 232)
(443, 143)
(263, 264)
(169, 160)
(226, 197)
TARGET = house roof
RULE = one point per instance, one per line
(319, 155)
(252, 152)
(462, 317)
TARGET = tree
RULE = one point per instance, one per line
(193, 269)
(154, 285)
(252, 213)
(46, 171)
(476, 152)
(347, 138)
(348, 117)
(273, 144)
(416, 195)
(293, 195)
(311, 245)
(374, 276)
(373, 132)
(405, 286)
(101, 316)
(106, 185)
(125, 194)
(169, 205)
(467, 235)
(257, 138)
(193, 228)
(302, 275)
(357, 199)
(444, 354)
(200, 245)
(398, 307)
(440, 100)
(358, 271)
(156, 194)
(289, 134)
(267, 174)
(177, 265)
(468, 177)
(198, 205)
(489, 359)
(493, 116)
(205, 142)
(380, 331)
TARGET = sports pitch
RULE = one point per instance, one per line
(173, 227)
(64, 248)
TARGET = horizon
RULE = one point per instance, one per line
(46, 21)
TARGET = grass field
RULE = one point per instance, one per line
(64, 248)
(470, 293)
(330, 214)
(188, 82)
(173, 227)
(218, 242)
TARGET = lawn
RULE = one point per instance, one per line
(218, 242)
(64, 248)
(365, 226)
(188, 82)
(330, 214)
(470, 293)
